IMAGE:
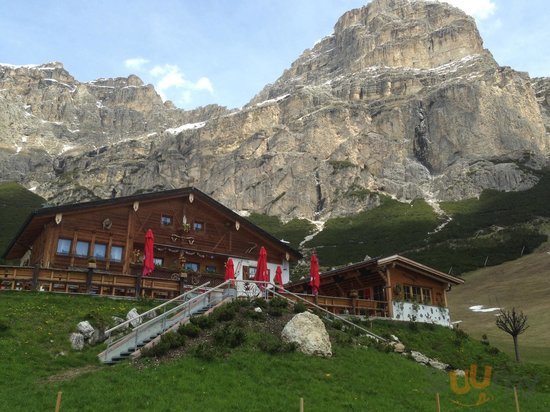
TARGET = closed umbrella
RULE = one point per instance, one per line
(229, 270)
(279, 279)
(261, 269)
(315, 280)
(149, 261)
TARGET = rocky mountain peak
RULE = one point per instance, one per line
(401, 100)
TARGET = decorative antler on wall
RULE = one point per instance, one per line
(175, 237)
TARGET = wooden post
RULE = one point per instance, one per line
(89, 278)
(58, 403)
(516, 399)
(301, 404)
(138, 284)
(35, 274)
(437, 402)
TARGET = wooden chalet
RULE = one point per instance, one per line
(97, 247)
(394, 287)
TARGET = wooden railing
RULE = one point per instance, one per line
(93, 282)
(341, 306)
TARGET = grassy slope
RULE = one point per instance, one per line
(522, 283)
(16, 203)
(355, 379)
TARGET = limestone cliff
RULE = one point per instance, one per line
(401, 99)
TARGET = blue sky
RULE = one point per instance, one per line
(198, 52)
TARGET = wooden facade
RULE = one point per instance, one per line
(396, 286)
(194, 237)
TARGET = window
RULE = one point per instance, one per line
(198, 226)
(192, 266)
(426, 296)
(211, 269)
(158, 261)
(251, 272)
(116, 253)
(82, 248)
(418, 294)
(166, 220)
(100, 251)
(64, 246)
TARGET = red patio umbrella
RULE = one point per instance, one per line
(315, 280)
(229, 270)
(148, 261)
(279, 279)
(261, 269)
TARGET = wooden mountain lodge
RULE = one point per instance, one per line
(394, 287)
(97, 247)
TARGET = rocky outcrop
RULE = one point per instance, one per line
(402, 99)
(308, 332)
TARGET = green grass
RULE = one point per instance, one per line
(293, 231)
(357, 378)
(521, 283)
(388, 229)
(498, 226)
(16, 203)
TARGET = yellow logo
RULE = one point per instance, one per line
(471, 382)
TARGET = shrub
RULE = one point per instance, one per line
(259, 303)
(190, 330)
(224, 313)
(275, 311)
(273, 345)
(299, 307)
(203, 322)
(169, 340)
(205, 352)
(252, 314)
(3, 326)
(230, 336)
(337, 324)
(278, 302)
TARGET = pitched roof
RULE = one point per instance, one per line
(376, 263)
(32, 227)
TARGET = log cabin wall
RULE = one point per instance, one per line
(183, 225)
(408, 278)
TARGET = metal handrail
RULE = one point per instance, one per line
(108, 331)
(162, 318)
(369, 333)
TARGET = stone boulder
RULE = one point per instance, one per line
(133, 317)
(86, 329)
(77, 341)
(308, 332)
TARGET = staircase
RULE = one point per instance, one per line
(192, 303)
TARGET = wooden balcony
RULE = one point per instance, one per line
(347, 306)
(78, 280)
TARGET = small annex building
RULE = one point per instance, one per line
(395, 287)
(194, 236)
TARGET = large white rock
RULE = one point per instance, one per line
(77, 341)
(309, 333)
(86, 329)
(133, 314)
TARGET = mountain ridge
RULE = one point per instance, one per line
(402, 100)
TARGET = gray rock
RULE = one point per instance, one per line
(86, 329)
(134, 318)
(117, 321)
(309, 333)
(434, 363)
(399, 348)
(77, 341)
(420, 358)
(402, 99)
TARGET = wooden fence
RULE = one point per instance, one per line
(95, 282)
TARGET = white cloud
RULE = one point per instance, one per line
(136, 63)
(171, 81)
(204, 84)
(480, 9)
